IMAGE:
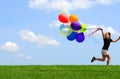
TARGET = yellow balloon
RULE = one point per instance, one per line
(73, 18)
(84, 28)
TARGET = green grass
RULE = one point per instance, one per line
(60, 72)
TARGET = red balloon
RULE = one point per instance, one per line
(63, 18)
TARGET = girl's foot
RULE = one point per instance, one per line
(93, 59)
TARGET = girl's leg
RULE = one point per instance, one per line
(101, 59)
(108, 59)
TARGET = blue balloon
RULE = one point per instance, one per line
(62, 26)
(72, 36)
(80, 37)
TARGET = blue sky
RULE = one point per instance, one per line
(27, 38)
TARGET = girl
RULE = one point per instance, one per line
(105, 54)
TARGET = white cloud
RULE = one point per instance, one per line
(24, 57)
(106, 1)
(112, 31)
(13, 47)
(37, 3)
(10, 47)
(28, 36)
(38, 39)
(67, 4)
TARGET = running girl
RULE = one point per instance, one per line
(105, 54)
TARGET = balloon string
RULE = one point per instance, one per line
(92, 28)
(93, 32)
(89, 28)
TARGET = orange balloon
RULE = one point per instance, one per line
(73, 18)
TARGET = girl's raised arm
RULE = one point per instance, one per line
(116, 39)
(101, 31)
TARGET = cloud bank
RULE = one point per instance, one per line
(40, 40)
(67, 4)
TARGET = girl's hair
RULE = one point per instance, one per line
(109, 34)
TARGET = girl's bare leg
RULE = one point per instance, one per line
(101, 59)
(108, 59)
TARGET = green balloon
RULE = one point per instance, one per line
(69, 27)
(65, 32)
(84, 28)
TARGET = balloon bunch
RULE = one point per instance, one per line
(70, 27)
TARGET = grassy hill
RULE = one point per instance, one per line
(59, 72)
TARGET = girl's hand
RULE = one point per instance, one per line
(100, 29)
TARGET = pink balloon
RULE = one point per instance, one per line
(63, 18)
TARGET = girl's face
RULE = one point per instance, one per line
(107, 35)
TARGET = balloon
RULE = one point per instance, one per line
(75, 26)
(65, 11)
(65, 32)
(84, 28)
(73, 18)
(71, 28)
(62, 26)
(80, 37)
(72, 36)
(63, 18)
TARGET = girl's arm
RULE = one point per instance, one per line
(101, 31)
(116, 39)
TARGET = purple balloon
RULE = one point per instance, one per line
(75, 26)
(80, 37)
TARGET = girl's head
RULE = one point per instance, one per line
(107, 35)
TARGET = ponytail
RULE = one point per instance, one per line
(109, 34)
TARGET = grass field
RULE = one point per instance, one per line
(59, 72)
